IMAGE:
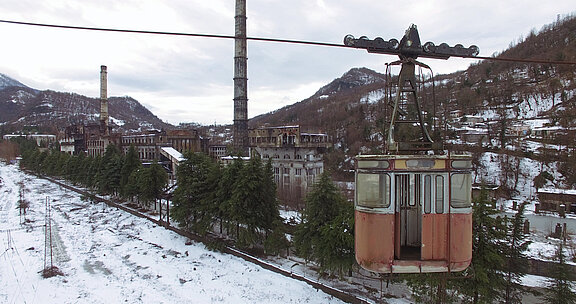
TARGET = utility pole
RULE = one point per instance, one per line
(240, 80)
(48, 236)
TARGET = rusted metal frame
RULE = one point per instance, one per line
(407, 74)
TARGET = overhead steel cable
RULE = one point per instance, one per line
(171, 33)
(327, 44)
(524, 60)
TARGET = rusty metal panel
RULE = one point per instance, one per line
(460, 241)
(374, 240)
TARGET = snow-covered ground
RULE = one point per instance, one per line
(110, 256)
(543, 246)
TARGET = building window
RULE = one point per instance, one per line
(298, 171)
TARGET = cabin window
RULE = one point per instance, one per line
(373, 190)
(417, 190)
(460, 186)
(403, 189)
(373, 164)
(462, 164)
(439, 194)
(427, 194)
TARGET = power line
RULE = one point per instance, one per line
(327, 44)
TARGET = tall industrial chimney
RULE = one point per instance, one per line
(104, 99)
(240, 80)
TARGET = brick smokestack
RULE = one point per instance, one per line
(104, 99)
(240, 80)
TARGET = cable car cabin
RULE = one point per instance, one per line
(413, 213)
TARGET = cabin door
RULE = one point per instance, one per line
(408, 197)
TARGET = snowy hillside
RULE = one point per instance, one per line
(109, 256)
(6, 81)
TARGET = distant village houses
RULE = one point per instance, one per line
(40, 139)
(557, 200)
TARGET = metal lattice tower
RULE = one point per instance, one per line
(407, 108)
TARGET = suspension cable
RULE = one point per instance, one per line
(327, 44)
(173, 33)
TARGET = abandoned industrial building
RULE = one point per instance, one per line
(297, 158)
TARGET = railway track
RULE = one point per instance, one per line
(335, 292)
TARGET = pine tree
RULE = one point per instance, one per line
(61, 164)
(50, 162)
(90, 172)
(193, 204)
(158, 180)
(71, 168)
(321, 208)
(431, 287)
(224, 193)
(102, 179)
(111, 175)
(486, 282)
(41, 163)
(150, 183)
(515, 266)
(247, 202)
(336, 249)
(276, 241)
(209, 206)
(131, 164)
(561, 284)
(132, 189)
(271, 215)
(324, 235)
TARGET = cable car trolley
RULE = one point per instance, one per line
(413, 210)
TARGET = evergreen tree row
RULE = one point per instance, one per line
(113, 173)
(238, 200)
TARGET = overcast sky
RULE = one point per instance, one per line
(187, 79)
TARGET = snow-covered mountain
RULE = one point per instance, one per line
(352, 108)
(23, 106)
(6, 81)
(356, 77)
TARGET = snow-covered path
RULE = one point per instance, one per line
(109, 256)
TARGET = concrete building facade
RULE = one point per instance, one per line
(297, 158)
